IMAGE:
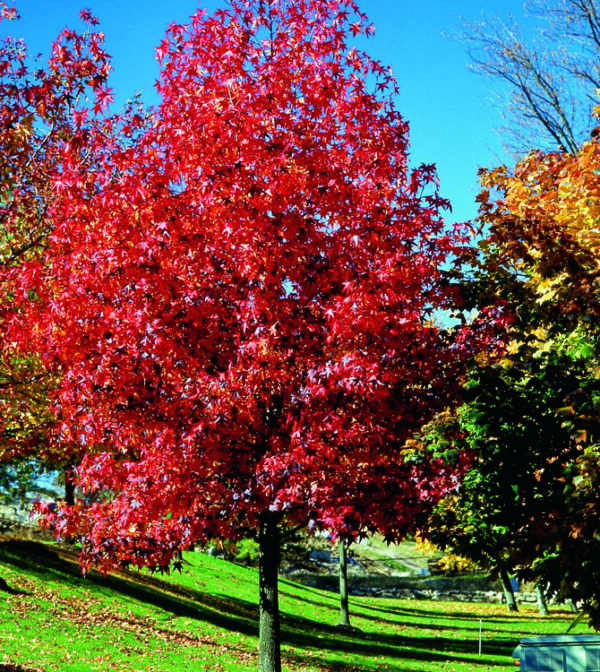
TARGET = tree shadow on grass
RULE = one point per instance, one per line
(238, 615)
(441, 642)
(302, 633)
(5, 588)
(59, 564)
(432, 619)
(441, 621)
(302, 588)
(496, 618)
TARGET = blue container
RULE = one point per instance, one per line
(559, 653)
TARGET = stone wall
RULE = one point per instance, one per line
(16, 521)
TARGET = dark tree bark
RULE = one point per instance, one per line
(541, 599)
(508, 590)
(70, 485)
(269, 648)
(344, 609)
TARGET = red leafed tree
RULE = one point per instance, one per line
(43, 106)
(238, 300)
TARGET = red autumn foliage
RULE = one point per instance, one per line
(237, 300)
(43, 110)
(236, 297)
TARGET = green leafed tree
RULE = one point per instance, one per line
(521, 423)
(531, 414)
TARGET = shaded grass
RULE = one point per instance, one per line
(205, 619)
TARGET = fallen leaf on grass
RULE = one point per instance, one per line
(91, 617)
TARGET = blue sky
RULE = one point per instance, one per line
(453, 122)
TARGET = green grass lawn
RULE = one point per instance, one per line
(205, 619)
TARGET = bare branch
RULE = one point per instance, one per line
(551, 85)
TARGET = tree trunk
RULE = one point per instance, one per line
(344, 610)
(269, 647)
(508, 590)
(541, 599)
(70, 485)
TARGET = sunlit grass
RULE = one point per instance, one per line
(205, 619)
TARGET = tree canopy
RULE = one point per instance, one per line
(236, 298)
(530, 415)
(38, 102)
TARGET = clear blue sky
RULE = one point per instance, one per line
(453, 123)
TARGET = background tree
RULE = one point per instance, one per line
(237, 304)
(551, 82)
(531, 416)
(40, 113)
(521, 422)
(547, 220)
(343, 577)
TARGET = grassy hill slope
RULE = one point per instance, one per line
(205, 619)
